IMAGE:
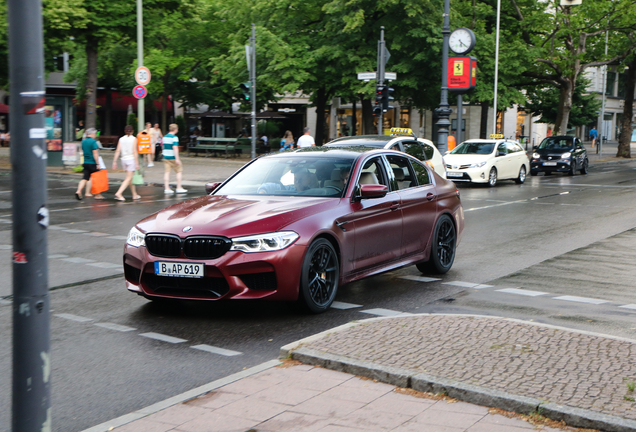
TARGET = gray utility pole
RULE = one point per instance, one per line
(460, 113)
(253, 86)
(380, 78)
(444, 110)
(141, 111)
(31, 403)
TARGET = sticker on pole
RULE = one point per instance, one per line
(140, 92)
(142, 75)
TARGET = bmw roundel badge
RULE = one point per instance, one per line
(187, 229)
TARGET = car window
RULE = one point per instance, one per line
(472, 147)
(421, 174)
(502, 148)
(419, 150)
(396, 147)
(373, 173)
(512, 147)
(555, 143)
(402, 177)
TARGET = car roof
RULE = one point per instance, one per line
(322, 151)
(560, 137)
(362, 140)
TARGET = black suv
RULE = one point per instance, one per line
(562, 153)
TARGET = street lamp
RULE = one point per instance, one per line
(444, 110)
(494, 121)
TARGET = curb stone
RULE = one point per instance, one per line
(576, 417)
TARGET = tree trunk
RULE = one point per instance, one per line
(91, 83)
(625, 137)
(565, 107)
(483, 126)
(367, 118)
(321, 104)
(109, 108)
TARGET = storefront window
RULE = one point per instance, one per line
(53, 125)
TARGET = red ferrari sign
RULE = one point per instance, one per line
(462, 74)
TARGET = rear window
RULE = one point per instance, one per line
(418, 150)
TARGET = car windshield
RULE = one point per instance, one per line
(471, 147)
(291, 176)
(555, 143)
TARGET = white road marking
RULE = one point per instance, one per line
(96, 234)
(56, 256)
(384, 312)
(216, 350)
(581, 300)
(5, 221)
(467, 285)
(75, 231)
(56, 227)
(78, 260)
(629, 306)
(105, 265)
(419, 278)
(116, 327)
(74, 317)
(6, 247)
(522, 292)
(118, 237)
(343, 305)
(162, 337)
(495, 205)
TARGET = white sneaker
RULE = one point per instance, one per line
(150, 165)
(182, 190)
(168, 192)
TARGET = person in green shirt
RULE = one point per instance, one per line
(90, 149)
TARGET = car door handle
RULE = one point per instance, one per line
(394, 206)
(430, 196)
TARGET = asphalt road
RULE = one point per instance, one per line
(114, 352)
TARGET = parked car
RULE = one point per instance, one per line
(296, 226)
(401, 139)
(561, 153)
(487, 161)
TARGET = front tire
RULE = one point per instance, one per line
(522, 175)
(442, 248)
(319, 277)
(584, 167)
(572, 168)
(492, 177)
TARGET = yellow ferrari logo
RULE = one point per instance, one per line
(458, 69)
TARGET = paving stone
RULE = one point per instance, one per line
(217, 422)
(177, 414)
(355, 394)
(214, 400)
(401, 404)
(247, 386)
(328, 407)
(252, 408)
(293, 422)
(368, 418)
(414, 426)
(286, 395)
(439, 417)
(146, 425)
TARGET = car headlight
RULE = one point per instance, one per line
(566, 155)
(536, 156)
(136, 238)
(264, 242)
(478, 165)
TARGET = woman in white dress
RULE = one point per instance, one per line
(127, 148)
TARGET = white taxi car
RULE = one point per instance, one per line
(487, 161)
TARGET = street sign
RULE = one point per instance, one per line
(367, 76)
(462, 74)
(142, 76)
(140, 92)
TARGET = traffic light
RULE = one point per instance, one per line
(377, 109)
(246, 89)
(386, 98)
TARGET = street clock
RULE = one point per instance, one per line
(462, 41)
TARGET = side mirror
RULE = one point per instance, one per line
(535, 147)
(373, 191)
(210, 187)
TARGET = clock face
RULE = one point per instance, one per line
(461, 41)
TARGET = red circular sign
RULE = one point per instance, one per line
(140, 92)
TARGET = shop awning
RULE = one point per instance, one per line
(217, 114)
(121, 101)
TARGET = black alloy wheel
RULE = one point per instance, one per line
(319, 278)
(572, 168)
(584, 166)
(442, 249)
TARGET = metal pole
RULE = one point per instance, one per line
(380, 77)
(601, 129)
(444, 110)
(31, 402)
(253, 95)
(141, 114)
(460, 109)
(494, 122)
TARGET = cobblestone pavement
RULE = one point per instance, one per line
(306, 398)
(565, 367)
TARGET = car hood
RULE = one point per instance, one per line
(233, 216)
(555, 151)
(462, 159)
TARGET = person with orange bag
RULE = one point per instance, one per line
(144, 145)
(90, 148)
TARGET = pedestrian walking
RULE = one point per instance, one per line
(452, 142)
(127, 148)
(306, 140)
(171, 160)
(593, 136)
(155, 139)
(287, 142)
(91, 156)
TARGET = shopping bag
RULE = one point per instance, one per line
(138, 178)
(102, 165)
(100, 182)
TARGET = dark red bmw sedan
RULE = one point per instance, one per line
(297, 225)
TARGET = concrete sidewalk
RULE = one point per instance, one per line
(418, 373)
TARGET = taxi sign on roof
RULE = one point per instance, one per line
(496, 136)
(401, 131)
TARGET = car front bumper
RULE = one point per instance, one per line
(236, 275)
(473, 175)
(560, 165)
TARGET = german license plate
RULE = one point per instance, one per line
(454, 174)
(179, 269)
(549, 163)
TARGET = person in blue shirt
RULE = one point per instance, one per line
(593, 135)
(90, 149)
